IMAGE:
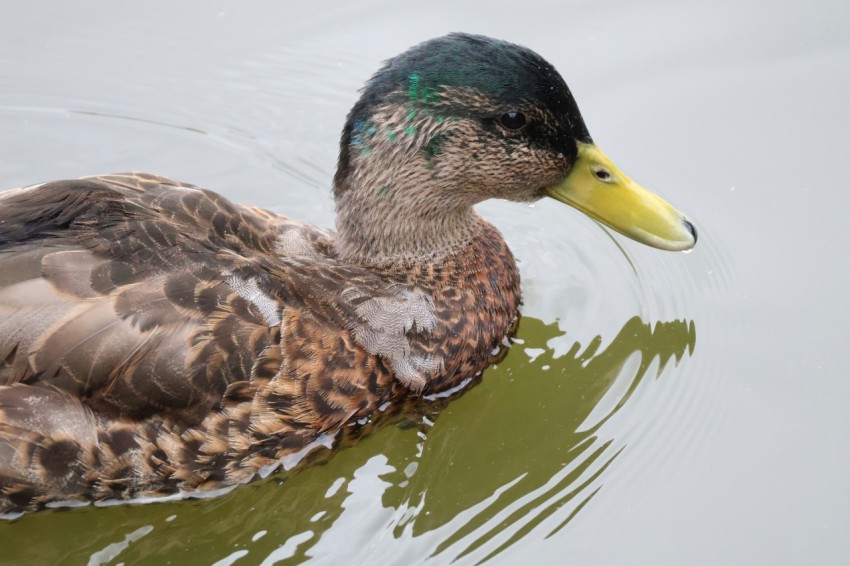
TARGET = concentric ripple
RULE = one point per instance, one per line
(606, 347)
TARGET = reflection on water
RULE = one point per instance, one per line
(256, 114)
(534, 469)
(466, 479)
(735, 111)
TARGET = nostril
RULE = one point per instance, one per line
(602, 174)
(692, 229)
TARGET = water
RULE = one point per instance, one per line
(658, 409)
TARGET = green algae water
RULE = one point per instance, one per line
(654, 408)
(536, 471)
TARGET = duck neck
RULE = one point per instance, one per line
(396, 203)
(390, 228)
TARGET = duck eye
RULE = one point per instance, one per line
(513, 120)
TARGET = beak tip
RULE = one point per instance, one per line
(691, 228)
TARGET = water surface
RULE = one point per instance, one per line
(656, 409)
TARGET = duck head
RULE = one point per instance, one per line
(461, 119)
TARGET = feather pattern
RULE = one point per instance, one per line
(156, 337)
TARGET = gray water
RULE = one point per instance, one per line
(657, 408)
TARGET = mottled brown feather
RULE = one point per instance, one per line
(156, 337)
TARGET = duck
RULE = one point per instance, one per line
(156, 338)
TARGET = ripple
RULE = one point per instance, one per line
(609, 332)
(552, 447)
(112, 551)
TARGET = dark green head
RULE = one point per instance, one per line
(464, 118)
(509, 91)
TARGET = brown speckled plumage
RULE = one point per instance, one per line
(155, 337)
(131, 366)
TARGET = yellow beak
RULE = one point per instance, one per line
(596, 187)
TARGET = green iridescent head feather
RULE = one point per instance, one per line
(513, 74)
(504, 70)
(499, 118)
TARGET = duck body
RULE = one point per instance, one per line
(157, 338)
